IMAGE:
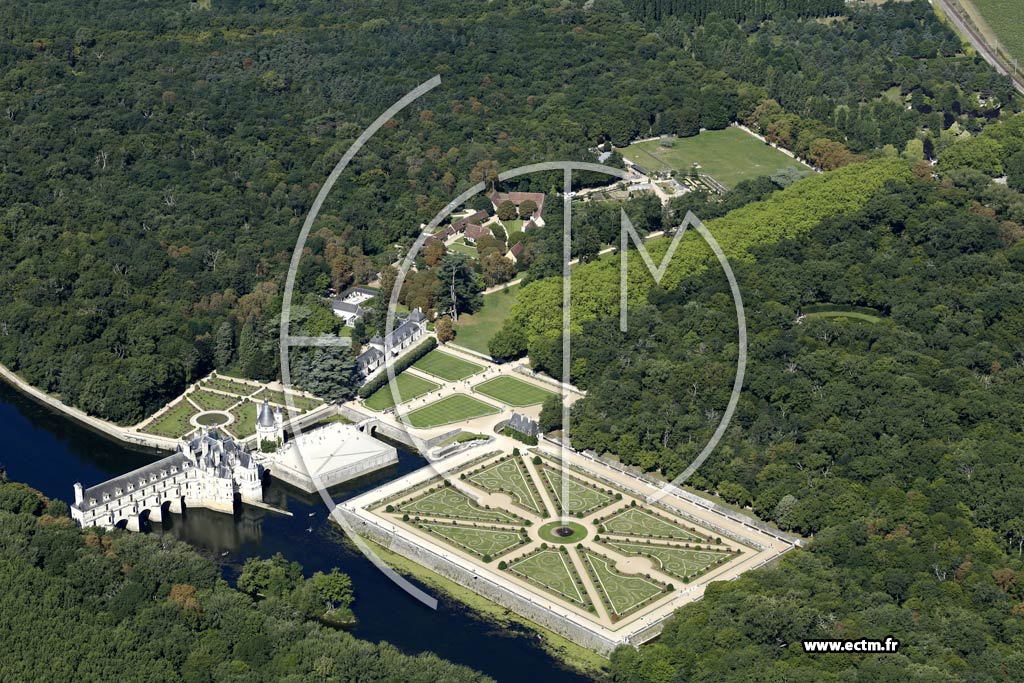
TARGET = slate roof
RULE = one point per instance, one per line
(266, 415)
(144, 476)
(524, 425)
(518, 198)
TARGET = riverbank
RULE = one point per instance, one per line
(124, 435)
(574, 656)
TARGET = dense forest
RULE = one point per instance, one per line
(737, 10)
(138, 608)
(158, 157)
(892, 440)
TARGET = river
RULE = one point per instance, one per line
(51, 452)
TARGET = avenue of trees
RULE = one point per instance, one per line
(159, 159)
(92, 606)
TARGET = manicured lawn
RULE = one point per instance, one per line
(640, 522)
(682, 563)
(480, 541)
(409, 387)
(510, 476)
(229, 386)
(729, 156)
(208, 400)
(244, 425)
(302, 403)
(513, 392)
(474, 331)
(454, 408)
(461, 247)
(553, 571)
(446, 366)
(583, 499)
(450, 503)
(175, 422)
(622, 593)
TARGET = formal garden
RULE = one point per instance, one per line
(612, 558)
(213, 399)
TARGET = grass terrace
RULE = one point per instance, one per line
(446, 366)
(454, 408)
(409, 387)
(244, 425)
(513, 391)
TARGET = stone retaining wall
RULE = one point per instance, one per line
(480, 584)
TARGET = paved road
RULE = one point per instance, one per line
(976, 40)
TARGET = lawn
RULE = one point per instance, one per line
(474, 331)
(582, 500)
(175, 422)
(446, 366)
(409, 386)
(640, 522)
(450, 503)
(302, 403)
(729, 156)
(683, 563)
(229, 386)
(244, 425)
(513, 392)
(460, 246)
(553, 571)
(454, 408)
(480, 541)
(208, 400)
(622, 593)
(510, 476)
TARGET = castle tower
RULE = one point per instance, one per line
(269, 424)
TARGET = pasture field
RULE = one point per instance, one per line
(730, 156)
(1002, 18)
(446, 366)
(513, 391)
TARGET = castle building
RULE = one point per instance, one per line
(269, 424)
(209, 471)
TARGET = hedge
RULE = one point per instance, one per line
(400, 365)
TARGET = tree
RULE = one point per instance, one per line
(551, 414)
(496, 269)
(224, 349)
(329, 372)
(444, 329)
(507, 343)
(526, 208)
(506, 210)
(247, 346)
(459, 289)
(334, 589)
(1015, 171)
